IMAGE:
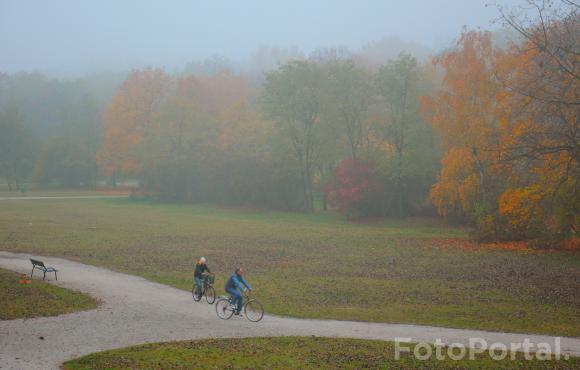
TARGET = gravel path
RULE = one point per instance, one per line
(136, 311)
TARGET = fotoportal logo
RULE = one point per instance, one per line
(478, 346)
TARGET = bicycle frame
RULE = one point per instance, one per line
(202, 289)
(205, 283)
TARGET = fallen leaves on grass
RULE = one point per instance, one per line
(570, 245)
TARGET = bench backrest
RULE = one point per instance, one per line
(37, 262)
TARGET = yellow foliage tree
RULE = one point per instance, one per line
(463, 112)
(128, 120)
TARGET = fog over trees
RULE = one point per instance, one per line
(480, 128)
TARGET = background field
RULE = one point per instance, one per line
(37, 298)
(288, 353)
(317, 266)
(5, 193)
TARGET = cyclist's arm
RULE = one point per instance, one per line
(245, 283)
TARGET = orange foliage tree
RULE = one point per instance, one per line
(205, 123)
(195, 138)
(463, 112)
(539, 115)
(128, 121)
(509, 127)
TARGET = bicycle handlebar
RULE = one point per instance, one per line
(247, 293)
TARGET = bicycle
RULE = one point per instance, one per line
(206, 289)
(253, 309)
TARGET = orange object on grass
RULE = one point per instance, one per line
(24, 279)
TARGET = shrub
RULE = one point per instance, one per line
(356, 189)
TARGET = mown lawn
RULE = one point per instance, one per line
(37, 298)
(291, 353)
(58, 193)
(316, 266)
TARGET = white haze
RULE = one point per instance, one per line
(72, 37)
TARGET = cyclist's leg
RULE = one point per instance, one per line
(198, 285)
(240, 304)
(236, 298)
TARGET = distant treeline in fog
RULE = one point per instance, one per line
(484, 132)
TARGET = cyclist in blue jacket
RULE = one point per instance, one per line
(235, 285)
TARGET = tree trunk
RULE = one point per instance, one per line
(400, 183)
(309, 191)
(304, 187)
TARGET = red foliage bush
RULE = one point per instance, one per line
(356, 188)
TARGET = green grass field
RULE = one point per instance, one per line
(290, 353)
(58, 193)
(316, 266)
(37, 298)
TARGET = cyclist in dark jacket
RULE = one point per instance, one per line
(200, 267)
(235, 285)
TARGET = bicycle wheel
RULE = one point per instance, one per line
(222, 308)
(210, 295)
(254, 310)
(195, 294)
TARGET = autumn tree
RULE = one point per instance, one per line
(509, 125)
(357, 188)
(348, 95)
(463, 112)
(293, 99)
(180, 136)
(269, 58)
(404, 132)
(207, 133)
(539, 111)
(128, 120)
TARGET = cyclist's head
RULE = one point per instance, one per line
(240, 271)
(202, 261)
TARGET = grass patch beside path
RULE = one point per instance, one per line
(289, 353)
(316, 265)
(37, 298)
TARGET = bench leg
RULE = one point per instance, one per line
(56, 277)
(44, 277)
(32, 272)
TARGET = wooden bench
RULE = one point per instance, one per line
(36, 264)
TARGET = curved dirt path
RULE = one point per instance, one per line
(136, 311)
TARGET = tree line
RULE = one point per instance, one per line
(483, 134)
(49, 131)
(218, 138)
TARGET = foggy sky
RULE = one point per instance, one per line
(82, 36)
